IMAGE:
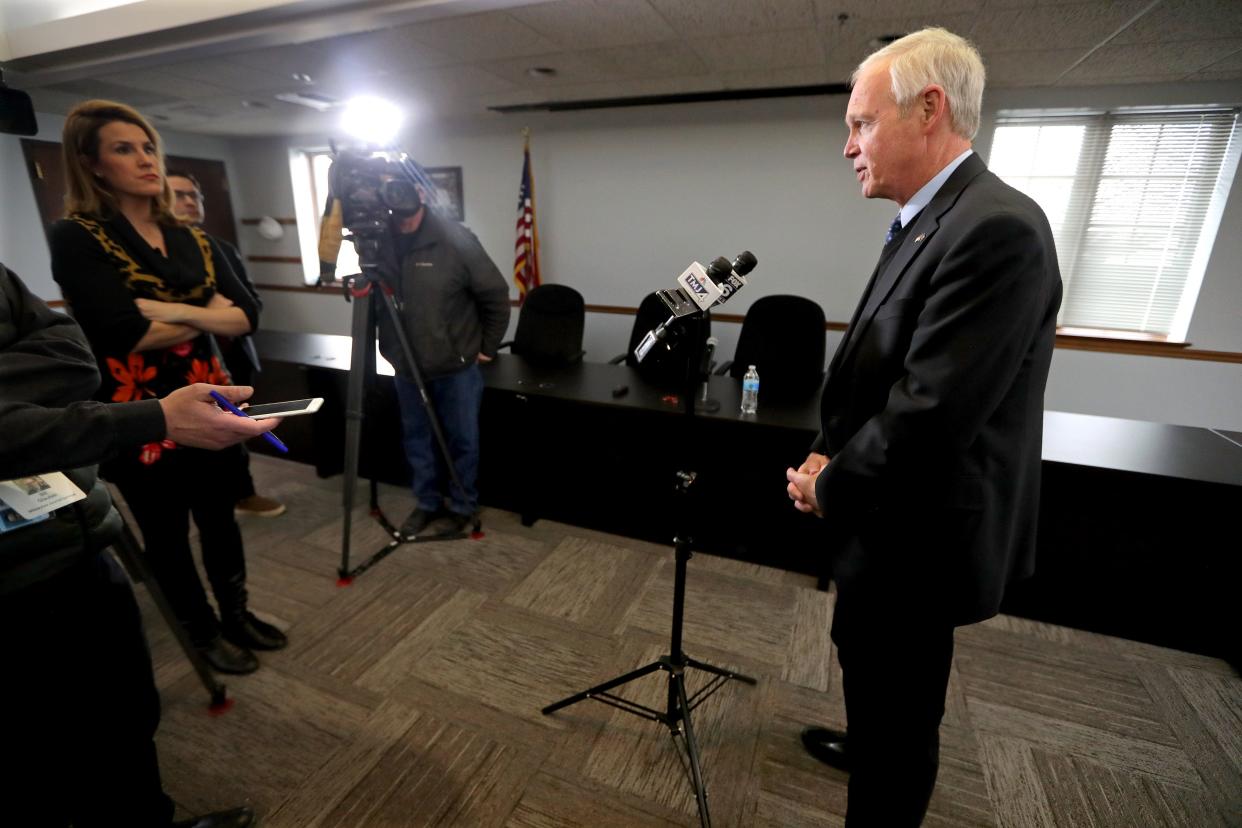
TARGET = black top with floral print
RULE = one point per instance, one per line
(103, 265)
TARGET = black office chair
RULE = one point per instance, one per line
(661, 368)
(783, 337)
(549, 328)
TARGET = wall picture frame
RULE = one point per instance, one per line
(450, 198)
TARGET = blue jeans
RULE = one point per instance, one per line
(456, 400)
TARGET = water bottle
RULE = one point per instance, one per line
(750, 391)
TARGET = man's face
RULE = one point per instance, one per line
(187, 200)
(886, 149)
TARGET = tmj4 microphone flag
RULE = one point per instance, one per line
(526, 248)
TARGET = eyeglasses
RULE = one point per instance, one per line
(188, 195)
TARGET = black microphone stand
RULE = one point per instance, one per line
(676, 713)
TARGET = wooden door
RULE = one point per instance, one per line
(47, 176)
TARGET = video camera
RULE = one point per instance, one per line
(369, 191)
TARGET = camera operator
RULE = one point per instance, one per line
(455, 310)
(81, 698)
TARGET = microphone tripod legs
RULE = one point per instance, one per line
(676, 715)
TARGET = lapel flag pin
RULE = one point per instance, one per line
(919, 237)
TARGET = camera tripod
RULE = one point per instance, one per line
(676, 713)
(366, 292)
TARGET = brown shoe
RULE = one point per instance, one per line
(259, 506)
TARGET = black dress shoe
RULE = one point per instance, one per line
(459, 522)
(236, 818)
(249, 632)
(828, 746)
(226, 657)
(417, 521)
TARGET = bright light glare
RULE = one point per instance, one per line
(372, 119)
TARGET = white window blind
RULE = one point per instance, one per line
(1134, 199)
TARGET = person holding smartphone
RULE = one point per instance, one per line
(149, 292)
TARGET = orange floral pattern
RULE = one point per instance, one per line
(209, 371)
(131, 378)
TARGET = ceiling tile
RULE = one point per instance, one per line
(775, 78)
(571, 67)
(226, 72)
(587, 24)
(287, 60)
(1079, 80)
(481, 37)
(1047, 27)
(89, 88)
(761, 51)
(162, 83)
(827, 12)
(645, 61)
(452, 80)
(1175, 20)
(1214, 75)
(697, 18)
(1229, 63)
(1024, 4)
(850, 42)
(385, 51)
(1124, 63)
(1038, 67)
(636, 88)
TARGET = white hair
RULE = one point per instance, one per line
(938, 56)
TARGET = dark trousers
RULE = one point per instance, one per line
(80, 705)
(456, 399)
(895, 668)
(163, 496)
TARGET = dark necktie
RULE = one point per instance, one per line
(893, 230)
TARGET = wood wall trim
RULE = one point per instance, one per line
(251, 222)
(297, 260)
(1169, 350)
(1073, 341)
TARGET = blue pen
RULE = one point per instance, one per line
(267, 435)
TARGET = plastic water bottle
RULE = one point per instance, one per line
(750, 391)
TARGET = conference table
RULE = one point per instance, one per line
(1138, 527)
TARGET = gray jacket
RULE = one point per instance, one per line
(453, 301)
(48, 422)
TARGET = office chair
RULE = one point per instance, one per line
(549, 328)
(783, 337)
(660, 368)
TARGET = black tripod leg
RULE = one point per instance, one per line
(602, 688)
(719, 671)
(677, 680)
(130, 552)
(362, 331)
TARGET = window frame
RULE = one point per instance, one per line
(1086, 182)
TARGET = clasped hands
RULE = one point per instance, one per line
(801, 488)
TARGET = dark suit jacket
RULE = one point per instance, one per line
(240, 347)
(932, 410)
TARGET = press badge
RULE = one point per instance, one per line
(35, 496)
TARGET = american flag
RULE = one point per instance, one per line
(526, 248)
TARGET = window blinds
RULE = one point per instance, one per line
(1134, 200)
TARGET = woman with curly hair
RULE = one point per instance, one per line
(149, 292)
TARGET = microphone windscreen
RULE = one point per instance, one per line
(744, 263)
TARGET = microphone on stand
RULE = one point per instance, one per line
(699, 289)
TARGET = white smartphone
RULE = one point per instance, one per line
(292, 408)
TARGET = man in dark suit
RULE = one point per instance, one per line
(926, 469)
